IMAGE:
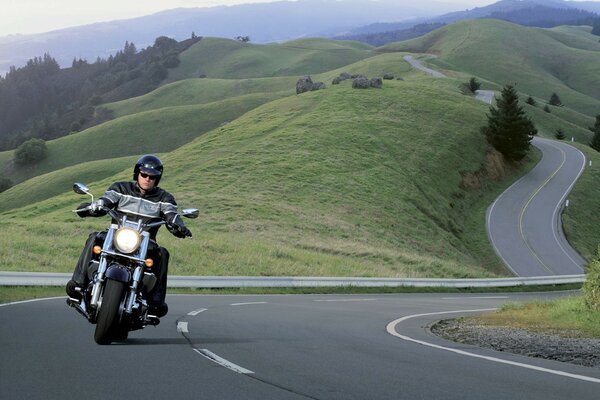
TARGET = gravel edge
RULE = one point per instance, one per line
(550, 345)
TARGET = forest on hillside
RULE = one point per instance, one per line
(41, 100)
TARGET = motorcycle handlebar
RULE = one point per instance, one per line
(116, 216)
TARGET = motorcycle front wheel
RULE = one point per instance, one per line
(109, 314)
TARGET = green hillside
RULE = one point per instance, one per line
(200, 91)
(159, 130)
(48, 185)
(538, 61)
(224, 58)
(334, 182)
(337, 182)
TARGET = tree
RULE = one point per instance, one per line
(30, 152)
(243, 39)
(531, 101)
(595, 143)
(555, 100)
(596, 27)
(547, 109)
(509, 129)
(560, 134)
(471, 86)
(5, 184)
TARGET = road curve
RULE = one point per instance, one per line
(277, 347)
(524, 224)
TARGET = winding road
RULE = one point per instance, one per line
(524, 224)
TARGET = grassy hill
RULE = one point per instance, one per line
(158, 130)
(201, 91)
(51, 184)
(538, 61)
(339, 182)
(334, 182)
(224, 58)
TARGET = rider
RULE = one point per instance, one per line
(143, 198)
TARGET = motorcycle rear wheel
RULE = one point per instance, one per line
(109, 314)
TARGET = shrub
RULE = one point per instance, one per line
(560, 134)
(470, 87)
(75, 126)
(531, 101)
(591, 286)
(30, 152)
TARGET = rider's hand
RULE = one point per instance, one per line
(185, 231)
(83, 210)
(178, 228)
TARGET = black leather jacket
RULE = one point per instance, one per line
(126, 197)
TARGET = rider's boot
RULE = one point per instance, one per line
(74, 290)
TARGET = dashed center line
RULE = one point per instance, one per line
(344, 300)
(249, 303)
(196, 312)
(475, 297)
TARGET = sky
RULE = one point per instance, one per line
(35, 16)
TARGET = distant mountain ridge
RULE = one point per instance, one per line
(538, 13)
(262, 22)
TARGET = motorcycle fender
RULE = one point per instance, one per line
(118, 274)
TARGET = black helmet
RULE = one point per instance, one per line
(150, 165)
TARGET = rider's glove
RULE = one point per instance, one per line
(176, 226)
(83, 210)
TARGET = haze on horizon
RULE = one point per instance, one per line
(36, 16)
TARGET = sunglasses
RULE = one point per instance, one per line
(151, 177)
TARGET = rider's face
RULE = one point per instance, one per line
(146, 182)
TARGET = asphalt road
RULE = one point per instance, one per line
(524, 222)
(276, 347)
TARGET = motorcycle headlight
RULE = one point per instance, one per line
(127, 240)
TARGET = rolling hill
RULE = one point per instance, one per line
(341, 182)
(334, 182)
(547, 61)
(223, 58)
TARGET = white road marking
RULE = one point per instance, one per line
(391, 329)
(14, 303)
(222, 362)
(476, 297)
(343, 300)
(182, 327)
(196, 312)
(245, 304)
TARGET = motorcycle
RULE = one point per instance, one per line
(121, 276)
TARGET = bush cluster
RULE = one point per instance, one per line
(591, 287)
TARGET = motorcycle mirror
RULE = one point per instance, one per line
(80, 188)
(190, 212)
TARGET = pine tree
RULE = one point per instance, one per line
(531, 101)
(555, 100)
(595, 143)
(560, 134)
(509, 129)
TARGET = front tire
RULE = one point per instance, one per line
(110, 312)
